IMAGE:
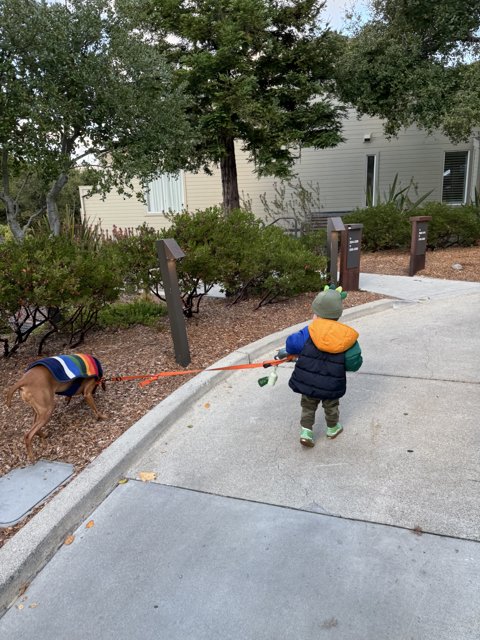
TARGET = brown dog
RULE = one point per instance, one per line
(43, 379)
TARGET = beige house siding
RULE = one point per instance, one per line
(117, 210)
(203, 191)
(339, 173)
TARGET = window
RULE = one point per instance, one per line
(371, 180)
(455, 177)
(166, 194)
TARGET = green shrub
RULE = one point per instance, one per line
(126, 314)
(201, 235)
(315, 241)
(54, 283)
(285, 268)
(138, 255)
(238, 251)
(451, 226)
(242, 256)
(5, 233)
(384, 227)
(266, 262)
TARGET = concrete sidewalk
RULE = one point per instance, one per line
(245, 534)
(416, 288)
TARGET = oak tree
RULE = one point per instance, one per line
(75, 84)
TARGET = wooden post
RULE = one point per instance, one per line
(418, 246)
(168, 252)
(350, 251)
(335, 227)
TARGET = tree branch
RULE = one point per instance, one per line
(33, 216)
(471, 38)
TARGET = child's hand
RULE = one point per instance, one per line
(281, 353)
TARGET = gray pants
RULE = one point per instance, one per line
(309, 408)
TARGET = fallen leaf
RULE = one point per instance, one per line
(189, 426)
(89, 524)
(207, 405)
(147, 476)
(123, 481)
(69, 539)
(33, 605)
(20, 606)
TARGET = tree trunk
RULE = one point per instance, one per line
(12, 219)
(9, 202)
(52, 208)
(228, 168)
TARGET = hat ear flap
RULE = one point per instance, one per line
(343, 294)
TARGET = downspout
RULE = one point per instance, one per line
(475, 174)
(83, 212)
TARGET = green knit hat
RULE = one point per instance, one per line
(328, 303)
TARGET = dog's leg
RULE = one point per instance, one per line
(40, 421)
(42, 400)
(11, 390)
(88, 390)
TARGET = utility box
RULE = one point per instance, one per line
(350, 250)
(418, 246)
(335, 227)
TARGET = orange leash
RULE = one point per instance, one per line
(149, 378)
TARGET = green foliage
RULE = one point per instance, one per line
(384, 227)
(400, 197)
(125, 314)
(76, 83)
(5, 233)
(315, 241)
(236, 252)
(138, 255)
(293, 203)
(416, 61)
(285, 268)
(200, 237)
(452, 226)
(56, 283)
(263, 261)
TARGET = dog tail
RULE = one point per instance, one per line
(11, 390)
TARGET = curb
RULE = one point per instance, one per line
(24, 555)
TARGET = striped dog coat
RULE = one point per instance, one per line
(74, 369)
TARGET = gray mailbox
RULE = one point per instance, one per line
(418, 246)
(168, 252)
(350, 251)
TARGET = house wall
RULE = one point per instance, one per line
(117, 210)
(339, 173)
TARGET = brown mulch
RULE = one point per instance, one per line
(74, 436)
(438, 264)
